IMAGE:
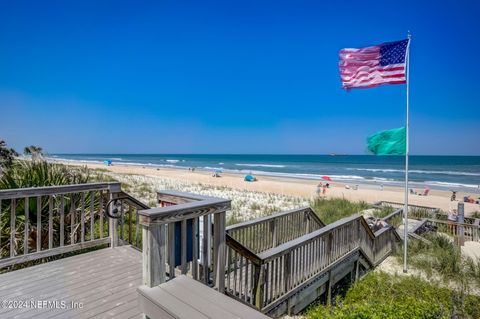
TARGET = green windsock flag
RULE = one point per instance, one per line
(389, 142)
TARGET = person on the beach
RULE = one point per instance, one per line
(324, 190)
(454, 196)
(452, 219)
(381, 187)
(319, 188)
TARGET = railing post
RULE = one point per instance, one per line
(273, 230)
(153, 254)
(219, 250)
(329, 289)
(259, 285)
(329, 247)
(288, 271)
(307, 223)
(460, 231)
(476, 229)
(113, 190)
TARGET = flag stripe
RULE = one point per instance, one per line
(371, 76)
(362, 74)
(366, 85)
(375, 77)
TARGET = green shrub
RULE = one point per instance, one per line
(383, 212)
(380, 295)
(40, 173)
(330, 210)
(475, 214)
(443, 257)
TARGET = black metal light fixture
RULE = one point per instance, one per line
(116, 212)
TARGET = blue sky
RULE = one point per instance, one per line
(231, 76)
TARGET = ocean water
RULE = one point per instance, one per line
(444, 172)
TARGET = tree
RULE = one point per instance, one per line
(35, 151)
(6, 155)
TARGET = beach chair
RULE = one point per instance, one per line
(425, 192)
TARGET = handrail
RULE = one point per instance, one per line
(178, 197)
(446, 222)
(392, 215)
(54, 190)
(286, 247)
(270, 217)
(392, 204)
(133, 201)
(168, 214)
(433, 215)
(267, 232)
(244, 251)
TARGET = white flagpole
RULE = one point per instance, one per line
(405, 207)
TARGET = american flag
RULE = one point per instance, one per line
(373, 66)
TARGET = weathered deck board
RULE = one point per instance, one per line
(183, 298)
(104, 281)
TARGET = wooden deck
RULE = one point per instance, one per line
(104, 282)
(187, 298)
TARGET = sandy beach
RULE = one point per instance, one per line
(290, 186)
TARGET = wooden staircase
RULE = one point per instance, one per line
(282, 263)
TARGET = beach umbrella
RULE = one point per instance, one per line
(326, 178)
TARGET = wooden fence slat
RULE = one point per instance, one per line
(13, 208)
(195, 235)
(1, 229)
(137, 225)
(130, 208)
(205, 249)
(72, 219)
(100, 209)
(26, 230)
(62, 220)
(171, 251)
(92, 215)
(39, 223)
(183, 245)
(50, 222)
(122, 220)
(82, 218)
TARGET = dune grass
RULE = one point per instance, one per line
(331, 210)
(443, 258)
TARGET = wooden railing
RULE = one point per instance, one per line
(192, 222)
(396, 214)
(129, 230)
(410, 206)
(420, 212)
(267, 232)
(443, 217)
(41, 222)
(266, 279)
(470, 232)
